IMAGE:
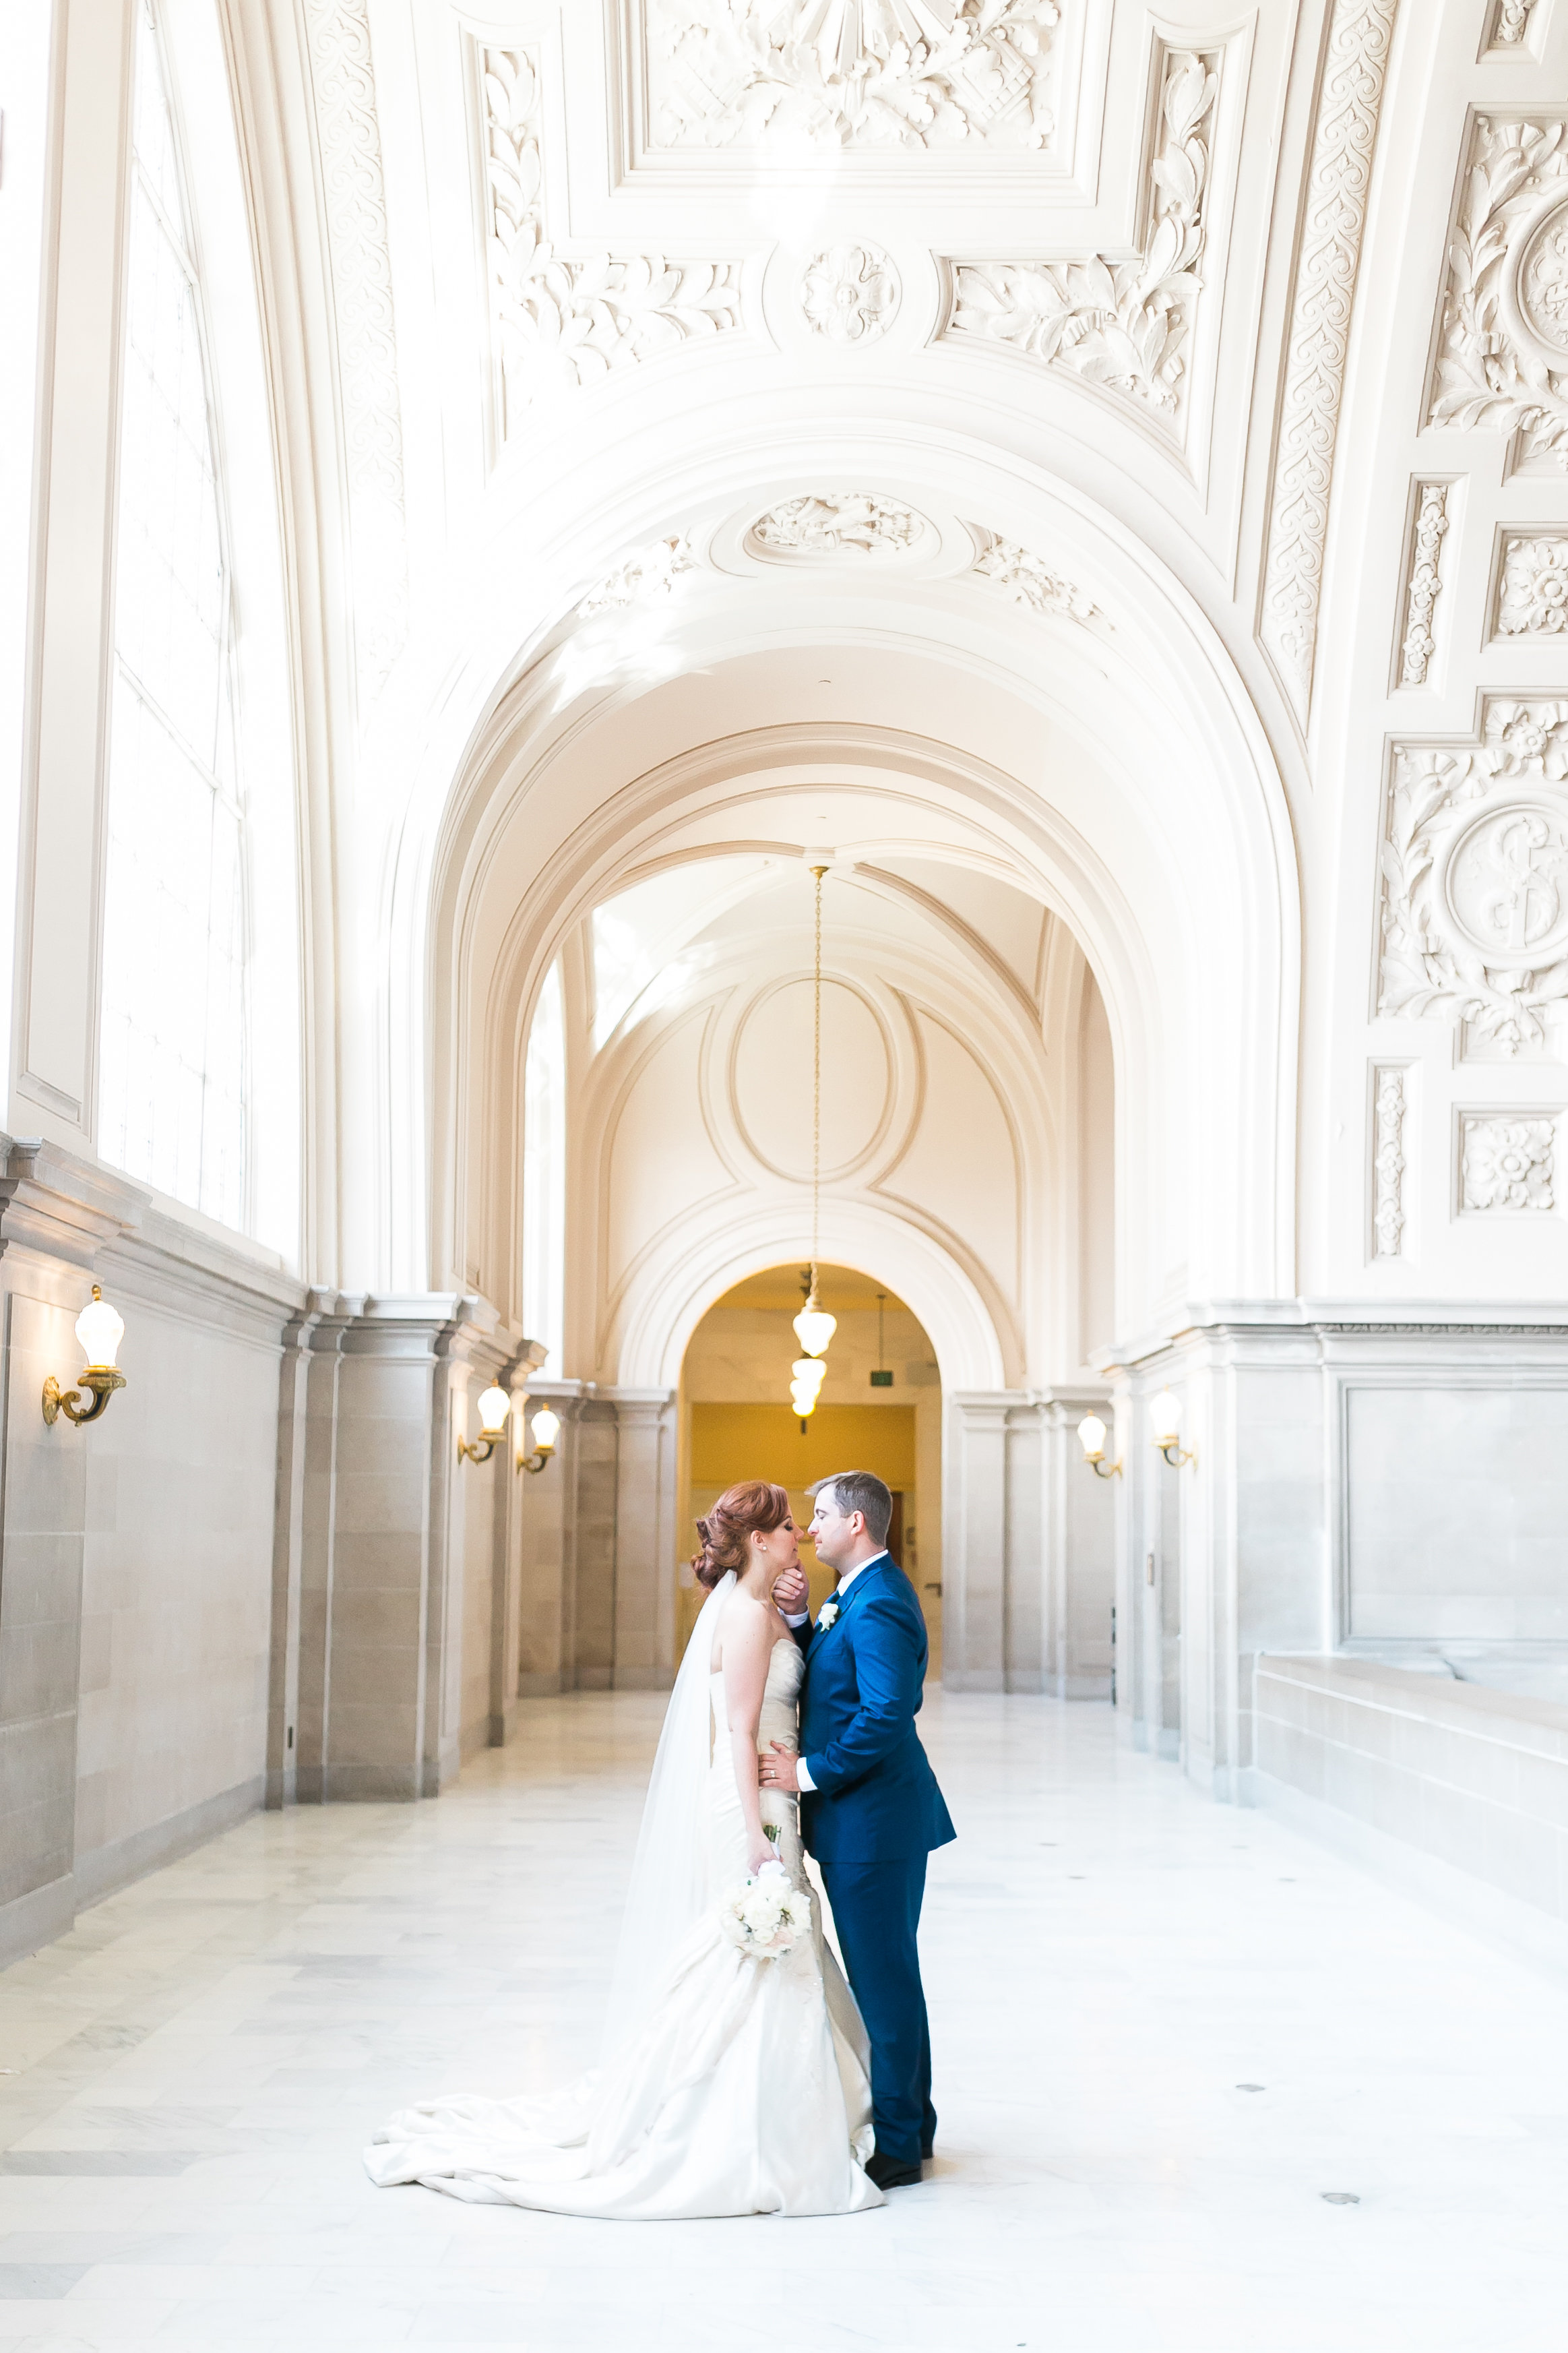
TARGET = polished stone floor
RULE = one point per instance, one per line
(1165, 2033)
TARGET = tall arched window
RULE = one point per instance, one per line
(172, 1083)
(544, 1175)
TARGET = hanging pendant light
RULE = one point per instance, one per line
(814, 1326)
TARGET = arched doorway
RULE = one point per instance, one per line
(881, 1410)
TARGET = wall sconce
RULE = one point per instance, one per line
(1092, 1437)
(100, 1330)
(546, 1431)
(494, 1407)
(1165, 1414)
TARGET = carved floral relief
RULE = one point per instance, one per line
(1532, 587)
(1344, 140)
(1506, 1162)
(1122, 324)
(1510, 22)
(861, 75)
(1388, 1161)
(1475, 878)
(1424, 583)
(1503, 358)
(645, 578)
(833, 523)
(1029, 580)
(849, 293)
(560, 322)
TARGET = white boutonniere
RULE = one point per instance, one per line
(829, 1612)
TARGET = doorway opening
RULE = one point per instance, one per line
(880, 1410)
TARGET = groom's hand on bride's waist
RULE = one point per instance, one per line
(780, 1770)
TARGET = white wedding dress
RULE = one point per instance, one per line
(745, 2088)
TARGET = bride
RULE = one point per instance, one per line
(729, 2086)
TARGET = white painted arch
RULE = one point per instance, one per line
(698, 1262)
(528, 792)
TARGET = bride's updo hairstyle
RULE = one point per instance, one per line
(752, 1508)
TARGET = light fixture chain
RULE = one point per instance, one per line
(818, 872)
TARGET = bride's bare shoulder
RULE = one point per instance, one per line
(746, 1625)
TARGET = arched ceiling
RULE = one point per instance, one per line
(1177, 398)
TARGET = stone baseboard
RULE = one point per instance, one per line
(37, 1918)
(103, 1870)
(1502, 1921)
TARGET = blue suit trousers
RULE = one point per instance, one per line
(877, 1911)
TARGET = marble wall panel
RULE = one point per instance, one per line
(1475, 1779)
(1457, 1512)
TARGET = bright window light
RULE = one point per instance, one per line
(173, 1060)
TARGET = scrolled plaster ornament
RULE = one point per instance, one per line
(1507, 1163)
(1510, 22)
(1532, 591)
(1475, 878)
(644, 577)
(342, 79)
(864, 75)
(560, 322)
(835, 524)
(1345, 138)
(1388, 1161)
(849, 293)
(1029, 581)
(1120, 325)
(1425, 583)
(1502, 364)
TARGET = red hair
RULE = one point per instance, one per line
(753, 1507)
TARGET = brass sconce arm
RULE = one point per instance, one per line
(1101, 1468)
(546, 1431)
(479, 1452)
(101, 1379)
(1175, 1455)
(100, 1330)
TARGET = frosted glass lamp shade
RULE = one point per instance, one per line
(546, 1429)
(810, 1371)
(813, 1327)
(1092, 1437)
(494, 1407)
(1165, 1417)
(100, 1330)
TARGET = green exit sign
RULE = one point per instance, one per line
(881, 1380)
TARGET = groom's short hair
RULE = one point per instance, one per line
(862, 1491)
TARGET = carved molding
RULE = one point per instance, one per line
(836, 524)
(1123, 326)
(1424, 583)
(343, 78)
(1506, 1162)
(559, 322)
(1510, 22)
(1532, 585)
(645, 578)
(1345, 138)
(849, 293)
(859, 75)
(1502, 364)
(1029, 581)
(1388, 1160)
(1475, 878)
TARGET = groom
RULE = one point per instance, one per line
(871, 1810)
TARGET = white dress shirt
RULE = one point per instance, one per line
(844, 1582)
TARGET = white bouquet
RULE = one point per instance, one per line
(766, 1916)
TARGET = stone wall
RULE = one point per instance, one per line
(1468, 1780)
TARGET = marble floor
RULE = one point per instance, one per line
(1165, 2033)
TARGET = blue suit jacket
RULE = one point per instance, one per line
(876, 1798)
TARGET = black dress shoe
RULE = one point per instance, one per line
(891, 2172)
